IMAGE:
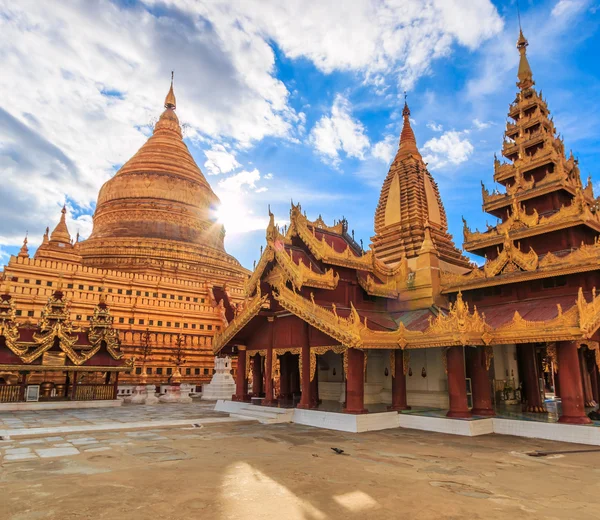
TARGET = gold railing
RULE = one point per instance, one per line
(94, 392)
(10, 393)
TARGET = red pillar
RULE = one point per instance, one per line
(355, 390)
(480, 382)
(256, 375)
(241, 383)
(269, 400)
(305, 399)
(594, 377)
(457, 387)
(314, 388)
(530, 373)
(571, 390)
(586, 381)
(399, 383)
(116, 385)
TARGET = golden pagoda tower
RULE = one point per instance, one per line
(409, 203)
(155, 256)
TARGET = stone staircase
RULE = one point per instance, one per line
(262, 414)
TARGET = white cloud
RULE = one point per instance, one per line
(220, 160)
(385, 150)
(339, 132)
(240, 180)
(450, 148)
(481, 125)
(568, 7)
(81, 81)
(435, 127)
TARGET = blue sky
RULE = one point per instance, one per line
(280, 100)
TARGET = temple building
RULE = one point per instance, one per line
(411, 322)
(155, 258)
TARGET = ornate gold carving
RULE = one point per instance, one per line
(251, 308)
(345, 364)
(510, 259)
(552, 354)
(489, 355)
(589, 313)
(338, 349)
(345, 330)
(101, 329)
(313, 364)
(388, 289)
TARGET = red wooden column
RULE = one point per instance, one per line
(398, 383)
(116, 385)
(355, 380)
(480, 382)
(457, 388)
(241, 383)
(571, 390)
(531, 376)
(314, 388)
(256, 375)
(594, 377)
(268, 400)
(586, 380)
(305, 400)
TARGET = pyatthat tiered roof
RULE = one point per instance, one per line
(409, 202)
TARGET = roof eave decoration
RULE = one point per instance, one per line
(583, 259)
(249, 309)
(519, 221)
(101, 329)
(589, 313)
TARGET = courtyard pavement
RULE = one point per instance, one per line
(245, 470)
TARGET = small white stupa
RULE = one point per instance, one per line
(222, 385)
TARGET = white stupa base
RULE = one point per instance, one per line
(174, 395)
(138, 396)
(151, 395)
(222, 385)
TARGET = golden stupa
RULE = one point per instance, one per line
(158, 211)
(155, 257)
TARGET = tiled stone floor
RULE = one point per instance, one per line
(93, 416)
(75, 444)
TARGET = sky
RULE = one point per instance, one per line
(298, 100)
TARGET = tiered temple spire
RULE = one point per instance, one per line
(543, 187)
(409, 202)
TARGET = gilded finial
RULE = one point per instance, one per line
(524, 74)
(24, 251)
(170, 99)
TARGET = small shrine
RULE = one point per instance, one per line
(55, 361)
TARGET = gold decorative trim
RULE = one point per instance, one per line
(250, 308)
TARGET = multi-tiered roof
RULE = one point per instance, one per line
(548, 221)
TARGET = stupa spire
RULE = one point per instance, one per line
(524, 74)
(408, 142)
(24, 251)
(170, 99)
(61, 232)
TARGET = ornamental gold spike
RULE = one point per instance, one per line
(170, 99)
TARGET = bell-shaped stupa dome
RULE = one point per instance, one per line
(158, 209)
